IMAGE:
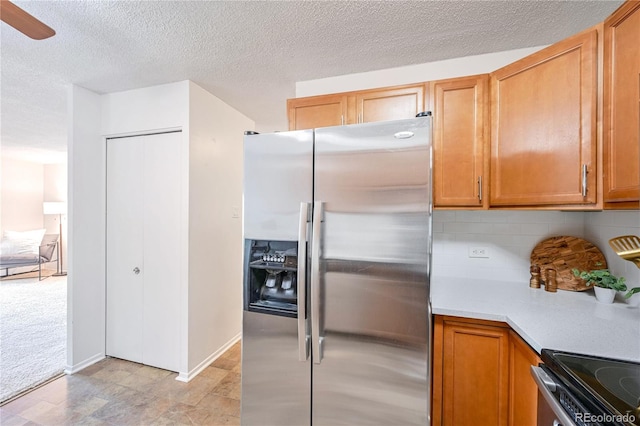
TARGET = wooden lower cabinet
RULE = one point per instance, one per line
(523, 391)
(480, 374)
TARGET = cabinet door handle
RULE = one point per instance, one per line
(342, 120)
(480, 188)
(584, 180)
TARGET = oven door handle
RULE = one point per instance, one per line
(547, 386)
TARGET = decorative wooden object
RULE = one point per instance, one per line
(534, 282)
(565, 253)
(551, 284)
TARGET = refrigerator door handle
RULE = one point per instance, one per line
(303, 338)
(315, 283)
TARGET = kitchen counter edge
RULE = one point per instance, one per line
(565, 320)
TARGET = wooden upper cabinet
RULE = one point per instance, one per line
(543, 132)
(622, 107)
(523, 391)
(392, 103)
(317, 111)
(460, 137)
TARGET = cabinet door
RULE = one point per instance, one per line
(543, 142)
(523, 392)
(389, 104)
(144, 249)
(622, 106)
(475, 373)
(460, 127)
(317, 111)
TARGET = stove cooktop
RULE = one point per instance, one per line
(613, 385)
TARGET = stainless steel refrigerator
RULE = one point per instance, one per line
(337, 232)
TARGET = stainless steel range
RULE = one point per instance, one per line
(587, 390)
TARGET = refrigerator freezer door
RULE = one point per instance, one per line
(276, 373)
(276, 385)
(277, 177)
(371, 345)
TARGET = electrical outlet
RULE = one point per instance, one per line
(478, 252)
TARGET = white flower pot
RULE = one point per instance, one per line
(604, 295)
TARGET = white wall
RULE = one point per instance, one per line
(55, 182)
(55, 189)
(149, 110)
(21, 195)
(211, 289)
(25, 185)
(92, 117)
(86, 235)
(509, 236)
(450, 68)
(215, 236)
(600, 227)
(21, 199)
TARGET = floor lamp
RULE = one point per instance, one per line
(58, 208)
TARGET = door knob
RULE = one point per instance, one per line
(136, 270)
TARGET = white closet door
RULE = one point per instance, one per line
(143, 232)
(162, 229)
(125, 242)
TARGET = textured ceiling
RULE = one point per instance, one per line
(249, 54)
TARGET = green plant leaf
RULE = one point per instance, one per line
(632, 292)
(601, 278)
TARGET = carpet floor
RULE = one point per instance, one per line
(23, 275)
(33, 332)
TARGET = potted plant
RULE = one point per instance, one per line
(605, 283)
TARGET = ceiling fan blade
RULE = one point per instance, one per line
(24, 22)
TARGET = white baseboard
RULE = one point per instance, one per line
(84, 364)
(186, 377)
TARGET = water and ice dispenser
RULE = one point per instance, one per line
(271, 285)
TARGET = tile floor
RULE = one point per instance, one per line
(117, 392)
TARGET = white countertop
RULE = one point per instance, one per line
(566, 320)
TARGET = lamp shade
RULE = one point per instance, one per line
(57, 207)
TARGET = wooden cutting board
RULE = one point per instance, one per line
(565, 253)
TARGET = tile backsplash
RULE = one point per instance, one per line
(509, 237)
